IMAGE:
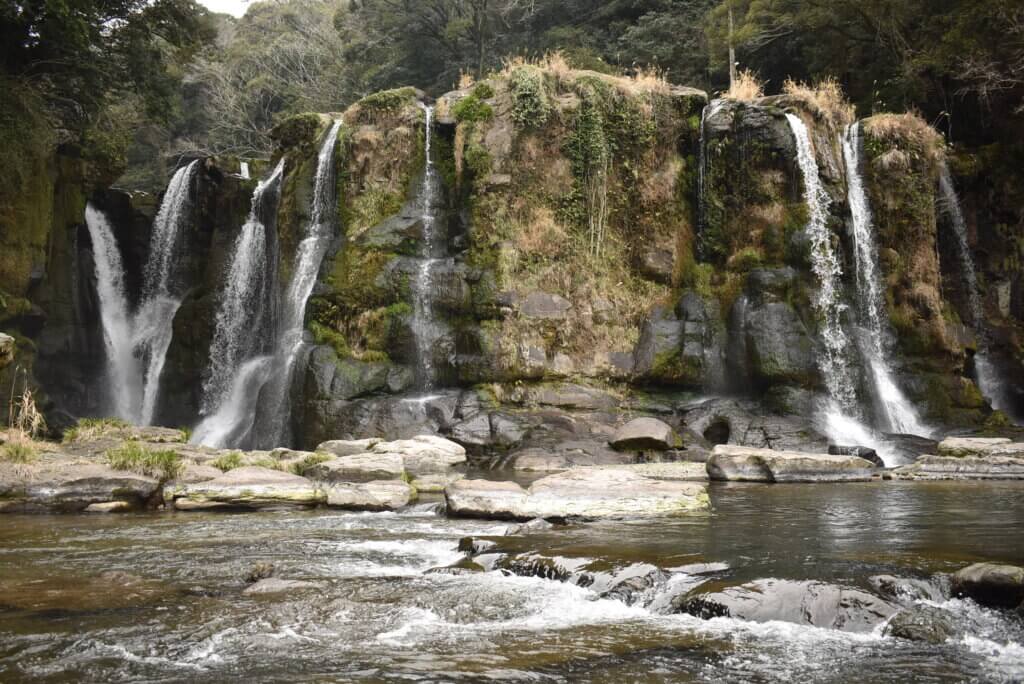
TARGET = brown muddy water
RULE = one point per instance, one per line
(158, 597)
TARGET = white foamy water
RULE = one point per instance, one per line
(896, 410)
(845, 430)
(233, 420)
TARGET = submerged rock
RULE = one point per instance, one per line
(745, 464)
(641, 434)
(274, 585)
(921, 622)
(587, 493)
(813, 603)
(991, 584)
(250, 487)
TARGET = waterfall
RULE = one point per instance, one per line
(154, 320)
(123, 374)
(232, 422)
(897, 411)
(242, 303)
(426, 328)
(243, 170)
(990, 383)
(275, 405)
(835, 364)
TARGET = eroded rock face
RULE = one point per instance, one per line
(587, 493)
(991, 584)
(250, 487)
(744, 464)
(980, 447)
(962, 468)
(828, 606)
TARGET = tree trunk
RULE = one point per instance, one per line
(732, 51)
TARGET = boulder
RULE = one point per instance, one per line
(818, 604)
(6, 349)
(990, 584)
(378, 495)
(657, 264)
(70, 486)
(921, 622)
(193, 473)
(961, 468)
(642, 434)
(545, 306)
(960, 447)
(251, 487)
(109, 507)
(359, 468)
(866, 453)
(431, 461)
(909, 589)
(778, 346)
(587, 493)
(274, 585)
(347, 447)
(745, 464)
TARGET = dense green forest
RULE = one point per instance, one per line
(135, 84)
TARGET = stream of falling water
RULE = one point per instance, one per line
(228, 403)
(896, 410)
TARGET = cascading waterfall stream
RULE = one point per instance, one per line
(989, 381)
(275, 400)
(228, 407)
(426, 328)
(124, 390)
(839, 419)
(897, 411)
(154, 320)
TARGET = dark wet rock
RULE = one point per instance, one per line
(641, 434)
(924, 623)
(779, 349)
(59, 485)
(587, 493)
(259, 571)
(866, 453)
(990, 584)
(474, 547)
(531, 527)
(657, 265)
(813, 603)
(703, 568)
(962, 468)
(907, 589)
(377, 495)
(506, 430)
(566, 455)
(745, 464)
(473, 433)
(745, 423)
(251, 487)
(382, 417)
(565, 395)
(464, 566)
(274, 585)
(658, 352)
(399, 234)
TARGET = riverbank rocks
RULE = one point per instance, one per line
(921, 622)
(378, 495)
(643, 434)
(961, 468)
(818, 604)
(429, 462)
(745, 464)
(586, 493)
(982, 447)
(991, 584)
(251, 487)
(71, 486)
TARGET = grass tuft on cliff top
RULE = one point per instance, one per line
(133, 457)
(91, 428)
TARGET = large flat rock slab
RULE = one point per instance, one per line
(586, 493)
(251, 487)
(359, 468)
(70, 486)
(980, 447)
(428, 462)
(962, 468)
(745, 464)
(380, 495)
(645, 434)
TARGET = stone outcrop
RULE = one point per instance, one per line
(743, 464)
(991, 584)
(587, 493)
(250, 487)
(962, 468)
(429, 462)
(981, 447)
(68, 485)
(924, 623)
(645, 434)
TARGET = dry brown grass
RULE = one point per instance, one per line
(825, 97)
(466, 81)
(540, 234)
(907, 130)
(746, 88)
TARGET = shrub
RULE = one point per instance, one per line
(18, 452)
(307, 463)
(228, 461)
(530, 104)
(471, 109)
(746, 88)
(483, 91)
(132, 456)
(90, 428)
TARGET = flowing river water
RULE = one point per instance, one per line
(158, 597)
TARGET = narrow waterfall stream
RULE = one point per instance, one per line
(275, 398)
(123, 377)
(154, 320)
(426, 327)
(839, 419)
(989, 381)
(228, 403)
(899, 414)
